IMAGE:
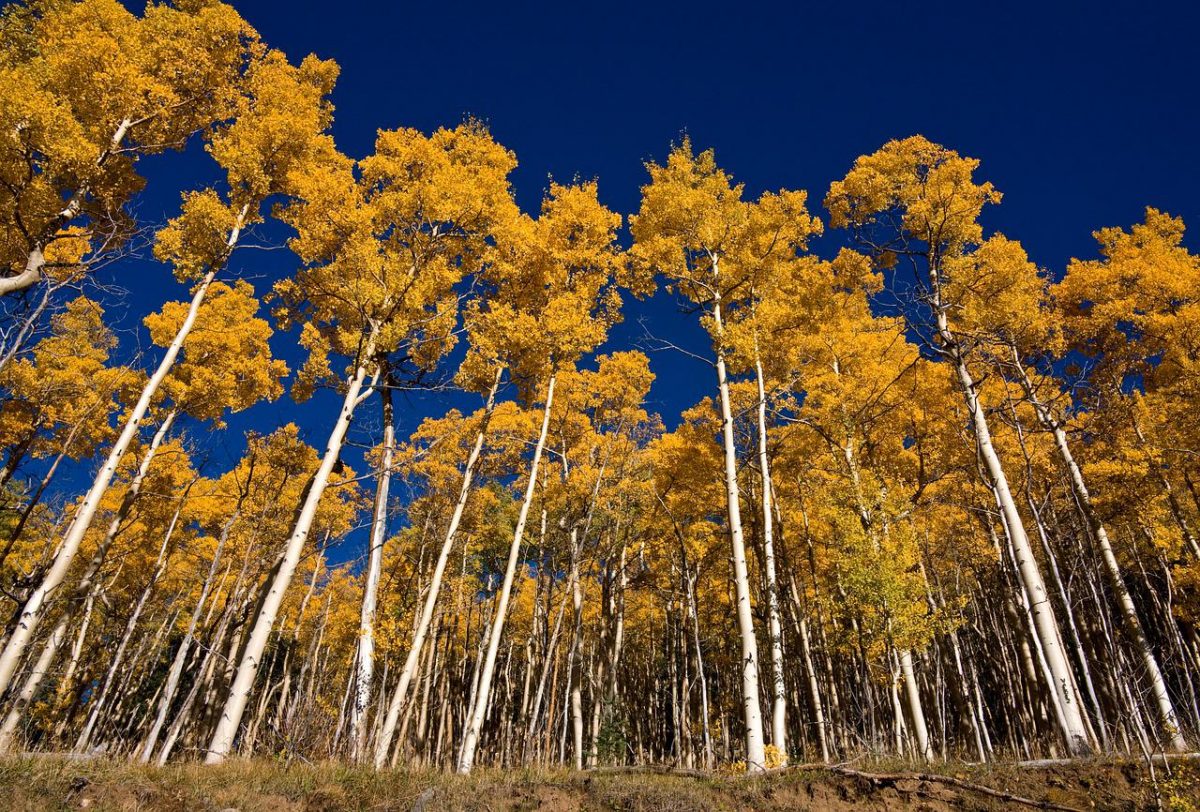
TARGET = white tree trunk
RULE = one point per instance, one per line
(814, 690)
(1168, 718)
(774, 627)
(34, 679)
(1063, 684)
(400, 695)
(755, 747)
(913, 694)
(576, 659)
(478, 712)
(705, 726)
(35, 605)
(101, 698)
(167, 696)
(243, 682)
(365, 661)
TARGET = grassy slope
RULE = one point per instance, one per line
(57, 784)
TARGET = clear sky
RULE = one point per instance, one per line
(1082, 115)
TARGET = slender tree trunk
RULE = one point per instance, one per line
(34, 608)
(1061, 680)
(751, 710)
(1168, 719)
(365, 662)
(774, 627)
(171, 686)
(576, 655)
(548, 660)
(102, 697)
(706, 729)
(478, 712)
(384, 743)
(243, 682)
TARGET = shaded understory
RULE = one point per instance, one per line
(57, 784)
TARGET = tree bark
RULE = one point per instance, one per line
(365, 660)
(751, 710)
(774, 627)
(1061, 680)
(1168, 718)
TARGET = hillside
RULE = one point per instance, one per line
(258, 786)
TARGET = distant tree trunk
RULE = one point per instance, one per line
(171, 686)
(103, 695)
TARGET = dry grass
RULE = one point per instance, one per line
(49, 783)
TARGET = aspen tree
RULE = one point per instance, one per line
(1146, 279)
(225, 364)
(400, 692)
(915, 201)
(688, 228)
(777, 231)
(86, 88)
(854, 370)
(383, 253)
(557, 278)
(279, 124)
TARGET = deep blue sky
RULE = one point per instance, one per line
(1082, 115)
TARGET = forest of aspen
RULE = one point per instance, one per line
(941, 505)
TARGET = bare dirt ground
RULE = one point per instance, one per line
(58, 784)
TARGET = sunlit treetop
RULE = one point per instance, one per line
(85, 88)
(912, 195)
(267, 149)
(1002, 297)
(170, 72)
(914, 206)
(554, 287)
(384, 251)
(1138, 295)
(614, 394)
(694, 227)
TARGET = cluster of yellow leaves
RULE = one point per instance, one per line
(172, 71)
(62, 395)
(384, 251)
(226, 362)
